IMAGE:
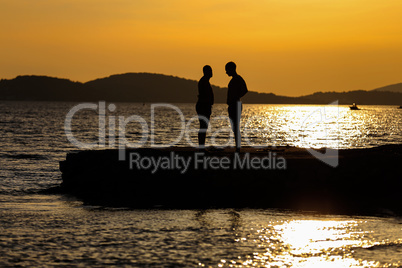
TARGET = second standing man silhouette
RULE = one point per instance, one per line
(237, 88)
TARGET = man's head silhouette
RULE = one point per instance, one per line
(230, 68)
(207, 71)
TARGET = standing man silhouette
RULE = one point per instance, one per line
(204, 104)
(237, 88)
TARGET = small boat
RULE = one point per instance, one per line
(354, 107)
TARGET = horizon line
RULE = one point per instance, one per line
(174, 76)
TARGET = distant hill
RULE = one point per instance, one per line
(130, 87)
(147, 87)
(391, 88)
(41, 88)
(357, 96)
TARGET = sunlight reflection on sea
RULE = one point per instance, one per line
(50, 229)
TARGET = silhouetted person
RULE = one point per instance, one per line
(237, 88)
(204, 104)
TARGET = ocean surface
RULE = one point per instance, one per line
(39, 230)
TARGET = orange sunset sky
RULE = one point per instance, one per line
(288, 47)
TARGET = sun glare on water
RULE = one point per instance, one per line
(305, 243)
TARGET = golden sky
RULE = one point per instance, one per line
(288, 47)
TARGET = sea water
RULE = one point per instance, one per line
(57, 230)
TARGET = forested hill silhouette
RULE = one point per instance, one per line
(147, 87)
(41, 88)
(129, 87)
(392, 88)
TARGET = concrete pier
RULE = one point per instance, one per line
(365, 181)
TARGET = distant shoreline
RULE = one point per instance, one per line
(193, 103)
(147, 87)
